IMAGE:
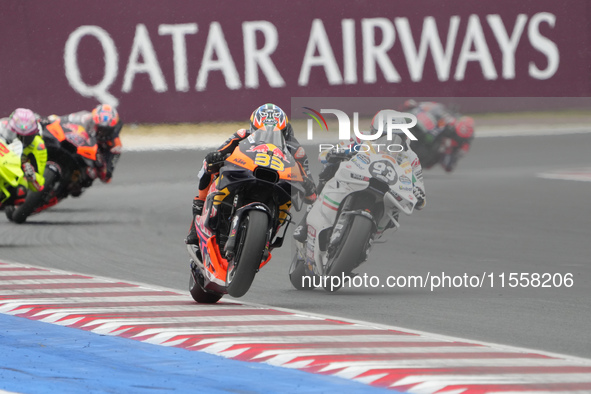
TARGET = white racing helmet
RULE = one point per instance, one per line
(385, 119)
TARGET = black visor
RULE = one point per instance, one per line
(26, 139)
(104, 133)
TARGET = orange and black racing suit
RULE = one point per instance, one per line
(294, 147)
(109, 146)
(205, 177)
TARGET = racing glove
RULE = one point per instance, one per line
(420, 196)
(214, 161)
(116, 150)
(30, 175)
(337, 157)
(310, 190)
(29, 171)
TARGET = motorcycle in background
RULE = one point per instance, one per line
(435, 144)
(70, 169)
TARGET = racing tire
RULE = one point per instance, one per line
(350, 251)
(296, 274)
(251, 247)
(427, 156)
(449, 162)
(34, 199)
(8, 211)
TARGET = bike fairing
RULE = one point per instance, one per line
(260, 174)
(11, 173)
(74, 134)
(34, 152)
(396, 172)
(23, 155)
(109, 147)
(291, 143)
(72, 155)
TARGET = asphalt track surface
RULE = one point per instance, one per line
(492, 215)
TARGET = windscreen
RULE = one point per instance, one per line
(269, 136)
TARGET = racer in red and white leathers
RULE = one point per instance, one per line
(443, 136)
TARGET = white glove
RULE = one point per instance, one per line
(420, 196)
(29, 171)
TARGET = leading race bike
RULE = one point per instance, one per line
(245, 216)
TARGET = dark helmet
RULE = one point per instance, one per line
(409, 104)
(270, 115)
(105, 118)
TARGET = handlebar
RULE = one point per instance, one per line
(390, 196)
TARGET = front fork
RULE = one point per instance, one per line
(448, 151)
(343, 224)
(229, 248)
(324, 246)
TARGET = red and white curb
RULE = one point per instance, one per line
(575, 174)
(383, 356)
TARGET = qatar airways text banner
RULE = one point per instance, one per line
(187, 61)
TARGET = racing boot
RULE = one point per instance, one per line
(197, 210)
(300, 233)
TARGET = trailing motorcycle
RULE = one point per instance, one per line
(245, 216)
(71, 153)
(356, 206)
(444, 151)
(435, 144)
